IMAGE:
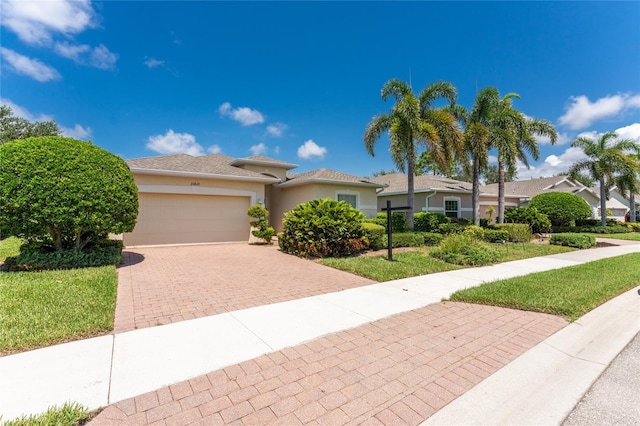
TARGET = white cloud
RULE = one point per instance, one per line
(83, 54)
(276, 129)
(310, 150)
(631, 131)
(243, 115)
(259, 149)
(153, 62)
(552, 165)
(35, 21)
(21, 112)
(30, 67)
(492, 159)
(174, 143)
(563, 139)
(77, 132)
(276, 150)
(102, 58)
(71, 51)
(582, 112)
(214, 149)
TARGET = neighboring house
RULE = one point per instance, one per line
(185, 199)
(438, 194)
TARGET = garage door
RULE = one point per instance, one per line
(184, 219)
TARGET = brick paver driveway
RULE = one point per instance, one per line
(161, 285)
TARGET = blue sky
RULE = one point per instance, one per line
(299, 81)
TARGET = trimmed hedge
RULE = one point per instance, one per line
(518, 232)
(432, 238)
(450, 228)
(407, 239)
(592, 229)
(39, 257)
(376, 235)
(428, 222)
(496, 235)
(581, 241)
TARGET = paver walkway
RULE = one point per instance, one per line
(163, 285)
(397, 370)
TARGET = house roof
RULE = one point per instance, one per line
(326, 176)
(532, 187)
(396, 183)
(188, 165)
(259, 160)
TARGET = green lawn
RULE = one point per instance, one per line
(570, 292)
(69, 414)
(9, 247)
(44, 308)
(631, 236)
(418, 262)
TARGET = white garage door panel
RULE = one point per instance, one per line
(184, 219)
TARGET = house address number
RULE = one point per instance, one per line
(195, 183)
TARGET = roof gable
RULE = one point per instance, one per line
(327, 176)
(396, 183)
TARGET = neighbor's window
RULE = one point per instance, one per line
(451, 208)
(349, 198)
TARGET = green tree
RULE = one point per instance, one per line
(606, 159)
(261, 230)
(562, 208)
(12, 127)
(513, 136)
(492, 175)
(64, 191)
(628, 180)
(414, 121)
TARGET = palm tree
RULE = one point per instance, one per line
(628, 181)
(413, 121)
(606, 159)
(513, 135)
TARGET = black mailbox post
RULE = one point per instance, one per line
(389, 209)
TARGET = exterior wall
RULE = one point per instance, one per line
(366, 196)
(270, 171)
(433, 202)
(191, 185)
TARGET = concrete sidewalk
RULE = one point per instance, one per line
(101, 371)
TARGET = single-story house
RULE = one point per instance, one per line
(188, 199)
(438, 194)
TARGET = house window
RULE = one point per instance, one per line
(350, 199)
(451, 207)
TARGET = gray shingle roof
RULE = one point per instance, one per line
(396, 183)
(532, 187)
(326, 176)
(263, 161)
(215, 164)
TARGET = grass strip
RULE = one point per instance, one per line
(44, 308)
(70, 414)
(418, 262)
(9, 247)
(570, 292)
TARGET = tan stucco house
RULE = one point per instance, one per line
(188, 199)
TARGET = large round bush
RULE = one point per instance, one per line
(323, 228)
(65, 192)
(562, 208)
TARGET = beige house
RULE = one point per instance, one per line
(187, 200)
(438, 194)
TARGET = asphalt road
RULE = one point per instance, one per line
(614, 399)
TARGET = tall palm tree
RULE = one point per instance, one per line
(628, 180)
(606, 159)
(413, 121)
(513, 135)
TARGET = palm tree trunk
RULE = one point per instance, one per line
(632, 206)
(500, 191)
(603, 203)
(475, 198)
(410, 190)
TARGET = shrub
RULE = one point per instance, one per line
(380, 221)
(450, 228)
(538, 222)
(474, 232)
(37, 256)
(262, 229)
(376, 235)
(432, 238)
(398, 221)
(323, 228)
(407, 239)
(464, 250)
(616, 229)
(518, 232)
(64, 191)
(428, 222)
(462, 221)
(496, 235)
(581, 241)
(562, 208)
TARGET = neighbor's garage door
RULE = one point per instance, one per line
(183, 219)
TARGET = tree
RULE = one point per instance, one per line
(628, 181)
(606, 159)
(261, 228)
(491, 174)
(513, 135)
(65, 192)
(413, 121)
(562, 208)
(12, 127)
